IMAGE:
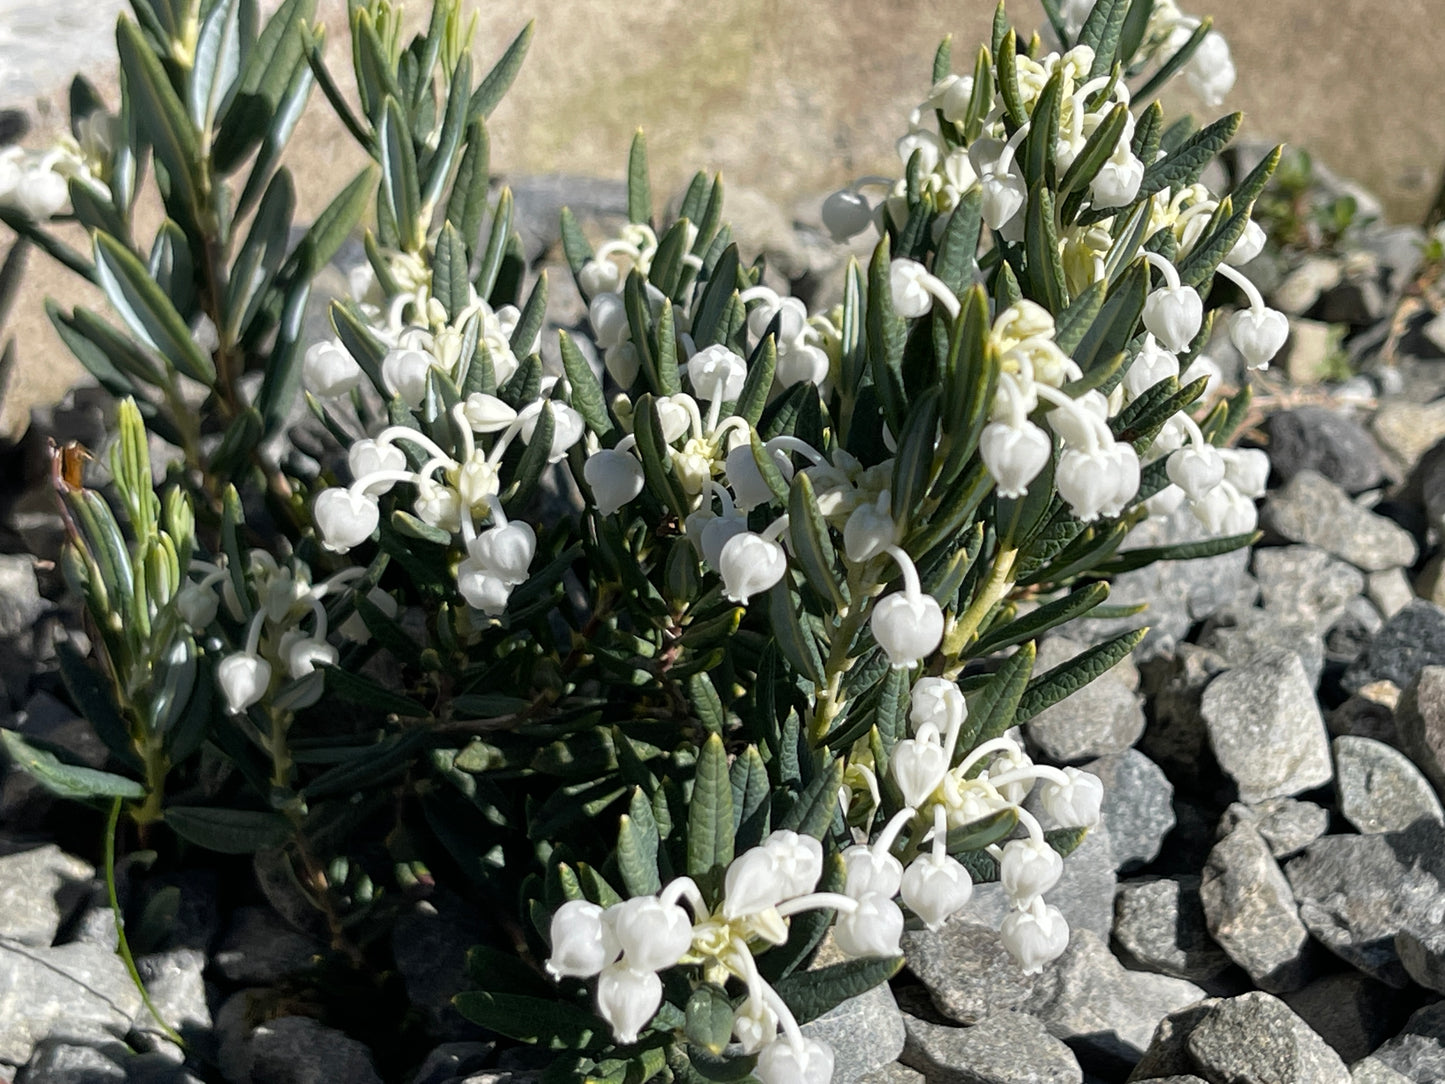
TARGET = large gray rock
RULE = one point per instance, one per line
(1420, 722)
(1176, 738)
(1159, 925)
(1410, 641)
(177, 985)
(299, 1050)
(1105, 716)
(1418, 1052)
(1350, 1011)
(39, 889)
(1138, 808)
(1326, 441)
(1251, 913)
(1256, 1039)
(1313, 510)
(1288, 825)
(1009, 1048)
(894, 1073)
(20, 601)
(1422, 952)
(69, 1063)
(76, 993)
(1356, 893)
(1373, 1071)
(1380, 789)
(1265, 728)
(865, 1033)
(1306, 583)
(1243, 636)
(968, 972)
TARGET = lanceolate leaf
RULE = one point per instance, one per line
(993, 710)
(66, 780)
(228, 831)
(495, 85)
(710, 813)
(147, 311)
(810, 994)
(1068, 677)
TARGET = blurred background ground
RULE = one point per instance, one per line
(789, 99)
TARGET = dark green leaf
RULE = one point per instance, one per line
(66, 780)
(1050, 615)
(147, 311)
(554, 1024)
(1068, 677)
(710, 812)
(639, 190)
(976, 835)
(810, 994)
(496, 82)
(228, 831)
(995, 707)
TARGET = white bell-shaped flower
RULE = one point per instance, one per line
(243, 679)
(907, 628)
(1027, 869)
(607, 313)
(303, 654)
(749, 565)
(1173, 315)
(628, 999)
(952, 95)
(1210, 72)
(781, 1063)
(717, 373)
(1118, 180)
(567, 429)
(871, 929)
(929, 148)
(751, 883)
(1258, 335)
(934, 888)
(938, 701)
(791, 314)
(487, 414)
(42, 193)
(845, 215)
(800, 861)
(1088, 481)
(1034, 941)
(906, 280)
(345, 519)
(366, 457)
(869, 531)
(918, 766)
(600, 277)
(582, 945)
(1003, 197)
(754, 1024)
(481, 589)
(1247, 469)
(1014, 455)
(652, 934)
(197, 605)
(1074, 804)
(505, 552)
(674, 415)
(1196, 469)
(1249, 245)
(800, 362)
(1165, 502)
(1152, 365)
(749, 488)
(1080, 425)
(870, 872)
(622, 363)
(404, 371)
(329, 371)
(716, 533)
(615, 478)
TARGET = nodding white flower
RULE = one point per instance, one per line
(755, 1024)
(197, 604)
(1074, 804)
(937, 701)
(1258, 334)
(1083, 421)
(481, 588)
(42, 193)
(870, 871)
(628, 999)
(1173, 314)
(1224, 510)
(1035, 937)
(675, 414)
(915, 289)
(599, 277)
(488, 414)
(652, 934)
(1203, 366)
(750, 564)
(717, 373)
(622, 362)
(567, 429)
(344, 518)
(1028, 868)
(751, 883)
(715, 534)
(304, 653)
(607, 313)
(1014, 455)
(404, 371)
(477, 482)
(582, 944)
(845, 215)
(615, 478)
(870, 530)
(936, 887)
(1118, 180)
(12, 168)
(329, 370)
(1249, 245)
(929, 148)
(918, 765)
(907, 627)
(1196, 469)
(1210, 72)
(1099, 482)
(505, 552)
(243, 678)
(1004, 195)
(1152, 365)
(810, 1062)
(870, 929)
(366, 457)
(952, 95)
(1247, 469)
(1166, 501)
(800, 860)
(791, 314)
(800, 362)
(748, 485)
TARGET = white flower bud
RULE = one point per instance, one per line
(567, 429)
(1027, 869)
(926, 145)
(652, 934)
(615, 478)
(482, 590)
(505, 552)
(628, 1000)
(42, 193)
(1258, 334)
(907, 628)
(478, 481)
(870, 872)
(1152, 365)
(1003, 198)
(487, 413)
(911, 298)
(1014, 455)
(674, 416)
(755, 1025)
(751, 883)
(366, 457)
(1247, 469)
(1196, 469)
(746, 480)
(329, 371)
(800, 362)
(845, 215)
(197, 605)
(304, 653)
(582, 945)
(1032, 941)
(243, 679)
(1117, 182)
(1249, 245)
(1173, 315)
(715, 534)
(918, 766)
(781, 1063)
(800, 861)
(345, 519)
(12, 168)
(404, 372)
(872, 929)
(1203, 366)
(599, 277)
(937, 701)
(792, 316)
(608, 315)
(622, 362)
(952, 95)
(869, 531)
(1074, 804)
(1210, 72)
(717, 373)
(749, 565)
(933, 889)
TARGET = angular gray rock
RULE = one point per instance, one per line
(1176, 738)
(1288, 825)
(894, 1073)
(299, 1050)
(1369, 712)
(1159, 925)
(1350, 1011)
(968, 972)
(1106, 716)
(1242, 636)
(177, 985)
(1265, 727)
(1380, 789)
(1389, 590)
(1010, 1048)
(20, 601)
(430, 943)
(1138, 808)
(452, 1061)
(1168, 1055)
(67, 1063)
(1373, 1071)
(865, 1033)
(1251, 912)
(1256, 1039)
(1410, 641)
(1313, 510)
(39, 889)
(1420, 722)
(1422, 952)
(1326, 441)
(1356, 893)
(76, 993)
(1305, 583)
(1418, 1052)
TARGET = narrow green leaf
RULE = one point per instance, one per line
(812, 545)
(1175, 64)
(467, 205)
(994, 707)
(490, 270)
(1183, 166)
(355, 688)
(146, 310)
(1101, 32)
(751, 789)
(976, 835)
(1048, 616)
(451, 282)
(494, 86)
(399, 176)
(228, 831)
(553, 1024)
(66, 780)
(160, 114)
(1068, 677)
(449, 139)
(710, 812)
(585, 393)
(810, 994)
(639, 190)
(813, 812)
(637, 845)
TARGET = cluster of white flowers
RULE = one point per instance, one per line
(36, 183)
(1209, 73)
